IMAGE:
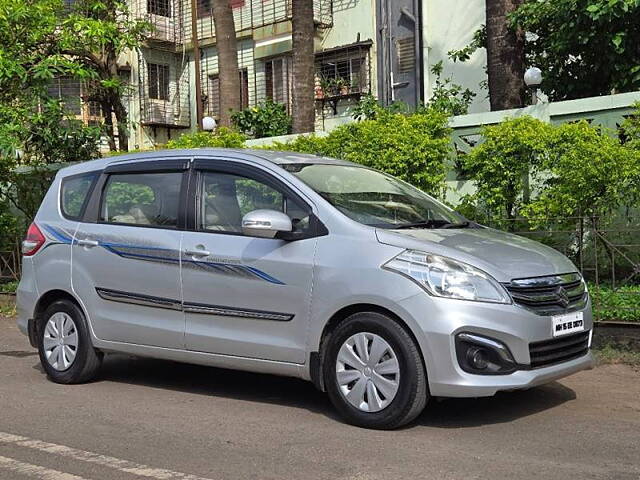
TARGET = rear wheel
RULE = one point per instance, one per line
(64, 344)
(374, 373)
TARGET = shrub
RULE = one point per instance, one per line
(267, 119)
(631, 128)
(587, 173)
(620, 304)
(412, 147)
(222, 138)
(500, 166)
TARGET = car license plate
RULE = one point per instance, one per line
(567, 323)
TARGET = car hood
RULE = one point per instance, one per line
(502, 255)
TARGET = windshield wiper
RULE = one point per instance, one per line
(432, 224)
(465, 224)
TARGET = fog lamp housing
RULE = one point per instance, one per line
(483, 356)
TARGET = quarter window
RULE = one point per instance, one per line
(75, 191)
(142, 199)
(226, 198)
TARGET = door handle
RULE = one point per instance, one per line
(197, 253)
(88, 243)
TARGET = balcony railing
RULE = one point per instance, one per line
(172, 18)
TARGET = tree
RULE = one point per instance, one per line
(35, 140)
(94, 35)
(584, 47)
(30, 53)
(505, 56)
(303, 66)
(228, 71)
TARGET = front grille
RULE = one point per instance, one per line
(552, 295)
(557, 350)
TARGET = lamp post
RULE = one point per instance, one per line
(209, 124)
(533, 79)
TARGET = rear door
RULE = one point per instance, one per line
(125, 254)
(245, 296)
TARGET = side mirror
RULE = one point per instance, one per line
(266, 223)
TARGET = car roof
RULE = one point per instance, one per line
(275, 157)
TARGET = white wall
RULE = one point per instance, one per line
(450, 25)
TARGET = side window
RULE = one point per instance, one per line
(226, 198)
(74, 194)
(142, 199)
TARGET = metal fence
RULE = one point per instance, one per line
(606, 250)
(10, 262)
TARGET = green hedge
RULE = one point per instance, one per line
(621, 304)
(414, 147)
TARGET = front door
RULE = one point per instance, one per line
(126, 264)
(245, 296)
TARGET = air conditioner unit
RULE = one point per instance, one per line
(164, 28)
(161, 113)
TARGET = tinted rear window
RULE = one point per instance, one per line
(75, 193)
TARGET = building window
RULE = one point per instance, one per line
(159, 7)
(204, 8)
(342, 71)
(68, 91)
(277, 73)
(213, 93)
(158, 81)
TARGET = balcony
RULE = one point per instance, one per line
(252, 14)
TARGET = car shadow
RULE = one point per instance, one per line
(501, 408)
(218, 382)
(440, 413)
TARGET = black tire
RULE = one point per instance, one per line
(87, 359)
(412, 393)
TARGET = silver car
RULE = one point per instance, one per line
(294, 265)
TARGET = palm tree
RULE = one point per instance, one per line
(505, 56)
(303, 66)
(228, 72)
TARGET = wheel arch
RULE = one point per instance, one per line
(50, 297)
(316, 358)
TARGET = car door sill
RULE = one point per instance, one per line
(260, 365)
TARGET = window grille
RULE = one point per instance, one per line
(343, 70)
(277, 80)
(159, 7)
(68, 91)
(158, 81)
(212, 99)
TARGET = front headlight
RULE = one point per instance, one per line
(445, 277)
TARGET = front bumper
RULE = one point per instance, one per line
(442, 319)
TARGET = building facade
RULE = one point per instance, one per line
(382, 47)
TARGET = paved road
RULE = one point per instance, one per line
(146, 419)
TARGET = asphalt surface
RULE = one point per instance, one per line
(161, 420)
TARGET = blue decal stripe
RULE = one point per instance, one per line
(115, 248)
(264, 275)
(61, 237)
(140, 255)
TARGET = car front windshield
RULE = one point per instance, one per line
(374, 198)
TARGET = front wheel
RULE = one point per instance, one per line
(373, 372)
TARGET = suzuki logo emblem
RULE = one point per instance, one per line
(563, 297)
